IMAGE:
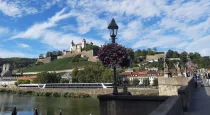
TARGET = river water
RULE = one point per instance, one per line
(47, 105)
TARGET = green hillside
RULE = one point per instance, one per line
(59, 64)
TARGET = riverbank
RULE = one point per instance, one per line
(74, 93)
(46, 93)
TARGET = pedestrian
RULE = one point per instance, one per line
(208, 79)
(195, 77)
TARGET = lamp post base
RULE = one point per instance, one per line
(115, 91)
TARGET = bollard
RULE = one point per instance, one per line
(60, 112)
(35, 111)
(14, 111)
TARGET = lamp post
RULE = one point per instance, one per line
(113, 27)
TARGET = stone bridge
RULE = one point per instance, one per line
(177, 96)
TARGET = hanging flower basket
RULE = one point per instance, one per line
(113, 55)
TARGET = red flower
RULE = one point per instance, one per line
(112, 55)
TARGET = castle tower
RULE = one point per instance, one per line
(83, 43)
(71, 45)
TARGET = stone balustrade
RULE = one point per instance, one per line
(174, 101)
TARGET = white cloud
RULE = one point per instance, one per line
(23, 45)
(68, 27)
(158, 41)
(132, 30)
(38, 30)
(200, 45)
(7, 53)
(15, 9)
(3, 30)
(56, 39)
(142, 23)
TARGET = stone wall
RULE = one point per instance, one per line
(186, 94)
(45, 60)
(129, 105)
(89, 54)
(172, 106)
(169, 86)
(151, 105)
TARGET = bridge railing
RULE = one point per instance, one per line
(177, 105)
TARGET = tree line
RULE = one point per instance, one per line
(52, 54)
(139, 57)
(17, 63)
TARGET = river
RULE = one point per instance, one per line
(47, 105)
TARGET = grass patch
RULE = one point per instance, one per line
(59, 64)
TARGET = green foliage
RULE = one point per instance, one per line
(64, 80)
(88, 47)
(45, 93)
(54, 54)
(78, 58)
(94, 73)
(39, 63)
(146, 82)
(135, 82)
(158, 64)
(74, 75)
(155, 82)
(16, 83)
(41, 56)
(22, 82)
(18, 63)
(45, 77)
(60, 64)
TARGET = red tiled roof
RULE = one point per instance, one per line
(27, 77)
(133, 74)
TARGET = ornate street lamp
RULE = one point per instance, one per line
(113, 27)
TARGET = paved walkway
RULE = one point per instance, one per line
(200, 104)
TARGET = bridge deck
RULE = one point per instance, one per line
(200, 104)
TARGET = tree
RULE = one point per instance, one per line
(59, 53)
(22, 82)
(184, 57)
(146, 82)
(41, 56)
(154, 49)
(136, 82)
(107, 76)
(49, 54)
(64, 80)
(155, 82)
(76, 58)
(45, 77)
(74, 75)
(39, 63)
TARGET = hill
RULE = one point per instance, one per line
(18, 62)
(60, 64)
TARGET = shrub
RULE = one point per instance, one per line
(64, 80)
(48, 94)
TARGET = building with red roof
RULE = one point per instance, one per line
(27, 78)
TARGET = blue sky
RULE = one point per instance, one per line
(31, 27)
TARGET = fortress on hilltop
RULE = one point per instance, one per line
(75, 49)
